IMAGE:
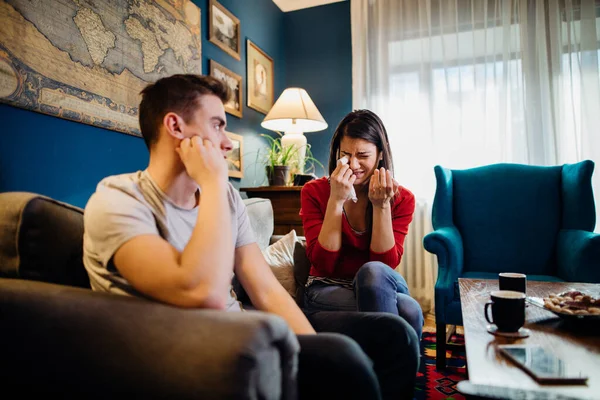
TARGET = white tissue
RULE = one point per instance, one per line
(343, 161)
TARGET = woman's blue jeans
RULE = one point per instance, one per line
(376, 287)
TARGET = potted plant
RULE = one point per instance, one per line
(280, 162)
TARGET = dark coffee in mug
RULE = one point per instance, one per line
(508, 310)
(512, 281)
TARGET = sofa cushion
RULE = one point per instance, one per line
(41, 239)
(280, 257)
(260, 213)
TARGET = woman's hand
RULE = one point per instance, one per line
(382, 188)
(341, 180)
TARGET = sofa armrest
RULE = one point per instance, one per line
(447, 244)
(301, 270)
(73, 341)
(578, 256)
(275, 238)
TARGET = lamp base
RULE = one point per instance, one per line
(299, 141)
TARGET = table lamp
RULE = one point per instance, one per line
(294, 113)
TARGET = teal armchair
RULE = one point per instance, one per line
(510, 218)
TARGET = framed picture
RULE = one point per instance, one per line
(235, 105)
(224, 29)
(260, 78)
(235, 161)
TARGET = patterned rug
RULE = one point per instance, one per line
(432, 385)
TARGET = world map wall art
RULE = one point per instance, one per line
(88, 60)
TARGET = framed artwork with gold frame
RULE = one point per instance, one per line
(235, 157)
(235, 105)
(260, 77)
(224, 29)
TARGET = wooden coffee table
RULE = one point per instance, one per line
(492, 375)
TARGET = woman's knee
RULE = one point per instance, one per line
(374, 274)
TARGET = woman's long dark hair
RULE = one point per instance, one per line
(366, 125)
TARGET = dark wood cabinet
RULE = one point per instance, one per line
(286, 206)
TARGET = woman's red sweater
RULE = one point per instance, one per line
(355, 250)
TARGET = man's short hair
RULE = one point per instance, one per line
(179, 94)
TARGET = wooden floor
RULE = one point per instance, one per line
(430, 324)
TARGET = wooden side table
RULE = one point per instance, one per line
(286, 206)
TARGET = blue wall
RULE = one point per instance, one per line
(60, 158)
(319, 59)
(65, 159)
(262, 22)
(311, 48)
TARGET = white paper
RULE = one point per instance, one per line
(343, 161)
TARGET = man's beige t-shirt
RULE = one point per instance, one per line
(129, 205)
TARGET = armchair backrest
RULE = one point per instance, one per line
(509, 215)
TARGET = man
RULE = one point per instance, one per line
(177, 232)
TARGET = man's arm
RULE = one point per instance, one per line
(265, 291)
(200, 275)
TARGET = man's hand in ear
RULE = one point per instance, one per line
(203, 161)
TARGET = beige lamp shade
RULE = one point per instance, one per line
(294, 111)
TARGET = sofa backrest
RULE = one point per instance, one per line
(260, 213)
(42, 239)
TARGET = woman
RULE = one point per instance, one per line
(354, 246)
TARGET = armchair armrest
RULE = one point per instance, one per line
(578, 256)
(447, 244)
(74, 341)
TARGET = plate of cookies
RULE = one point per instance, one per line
(571, 304)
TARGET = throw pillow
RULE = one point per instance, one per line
(280, 257)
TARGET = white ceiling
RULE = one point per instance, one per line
(293, 5)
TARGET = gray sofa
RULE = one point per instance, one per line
(61, 337)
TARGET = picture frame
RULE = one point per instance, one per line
(235, 157)
(260, 78)
(224, 29)
(235, 105)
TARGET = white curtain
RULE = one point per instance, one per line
(464, 83)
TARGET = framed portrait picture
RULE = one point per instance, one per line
(224, 29)
(235, 161)
(235, 105)
(260, 77)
